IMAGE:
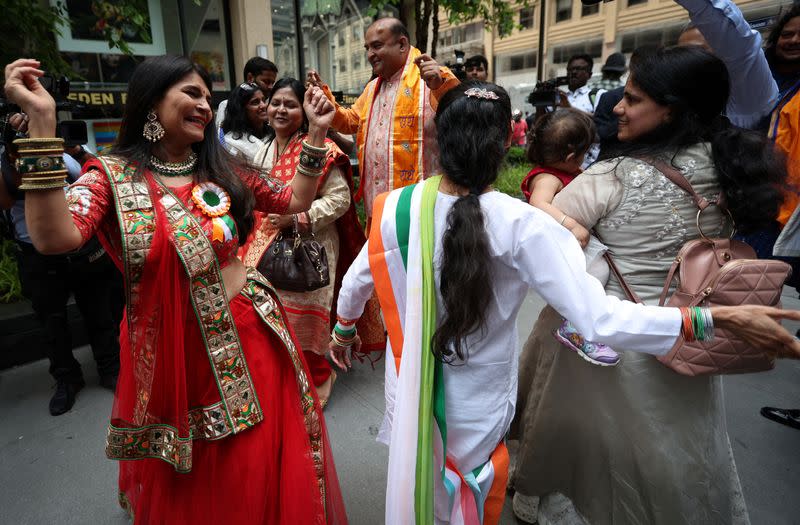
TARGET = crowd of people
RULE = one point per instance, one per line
(221, 378)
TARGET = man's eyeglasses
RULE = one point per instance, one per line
(577, 69)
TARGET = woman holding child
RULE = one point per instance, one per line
(451, 261)
(639, 443)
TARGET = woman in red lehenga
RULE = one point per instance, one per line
(214, 413)
(333, 220)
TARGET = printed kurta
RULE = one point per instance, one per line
(399, 150)
(308, 312)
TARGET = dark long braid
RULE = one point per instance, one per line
(472, 134)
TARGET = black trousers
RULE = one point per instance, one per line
(89, 275)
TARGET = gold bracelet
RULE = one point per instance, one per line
(44, 174)
(57, 184)
(24, 146)
(34, 180)
(38, 141)
(41, 151)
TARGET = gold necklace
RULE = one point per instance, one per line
(173, 169)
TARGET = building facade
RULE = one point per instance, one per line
(572, 28)
(328, 36)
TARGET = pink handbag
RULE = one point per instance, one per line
(715, 272)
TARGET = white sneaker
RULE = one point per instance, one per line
(526, 508)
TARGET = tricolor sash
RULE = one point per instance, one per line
(401, 251)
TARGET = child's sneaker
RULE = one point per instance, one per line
(595, 353)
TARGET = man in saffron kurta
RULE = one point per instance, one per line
(393, 117)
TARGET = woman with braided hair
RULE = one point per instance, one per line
(451, 261)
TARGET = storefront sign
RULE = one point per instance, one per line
(98, 104)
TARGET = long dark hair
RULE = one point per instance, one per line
(472, 134)
(299, 91)
(236, 121)
(150, 82)
(694, 84)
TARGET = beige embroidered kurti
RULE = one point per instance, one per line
(637, 443)
(309, 312)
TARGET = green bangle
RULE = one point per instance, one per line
(40, 163)
(347, 334)
(698, 324)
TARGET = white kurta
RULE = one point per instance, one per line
(528, 250)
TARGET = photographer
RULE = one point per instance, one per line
(49, 280)
(580, 95)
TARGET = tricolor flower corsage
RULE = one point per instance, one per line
(215, 202)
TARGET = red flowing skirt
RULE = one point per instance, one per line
(263, 475)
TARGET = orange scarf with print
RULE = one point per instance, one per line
(406, 151)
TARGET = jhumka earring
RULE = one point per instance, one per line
(153, 130)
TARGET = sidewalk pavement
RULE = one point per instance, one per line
(53, 469)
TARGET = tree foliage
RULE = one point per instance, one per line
(418, 14)
(30, 28)
(498, 14)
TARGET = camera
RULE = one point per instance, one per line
(73, 132)
(545, 94)
(457, 67)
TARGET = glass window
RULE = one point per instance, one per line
(636, 2)
(284, 38)
(526, 17)
(87, 50)
(564, 10)
(657, 37)
(333, 41)
(587, 10)
(593, 48)
(474, 31)
(518, 62)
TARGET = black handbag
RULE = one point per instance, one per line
(295, 263)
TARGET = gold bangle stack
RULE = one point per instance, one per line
(41, 164)
(312, 159)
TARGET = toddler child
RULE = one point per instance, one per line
(557, 145)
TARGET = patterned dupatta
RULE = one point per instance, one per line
(163, 243)
(401, 251)
(351, 238)
(406, 146)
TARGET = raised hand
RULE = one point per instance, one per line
(23, 88)
(430, 71)
(319, 110)
(313, 79)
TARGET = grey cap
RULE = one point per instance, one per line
(614, 63)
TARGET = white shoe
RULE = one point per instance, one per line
(526, 508)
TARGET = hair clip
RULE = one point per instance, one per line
(481, 93)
